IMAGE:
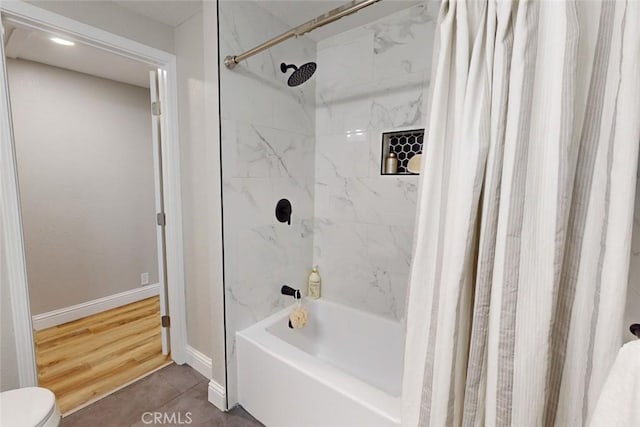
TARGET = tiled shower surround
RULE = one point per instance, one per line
(319, 146)
(267, 154)
(370, 80)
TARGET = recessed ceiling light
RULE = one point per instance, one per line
(63, 42)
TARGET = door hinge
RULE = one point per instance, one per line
(166, 321)
(161, 218)
(155, 108)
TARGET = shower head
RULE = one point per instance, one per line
(299, 75)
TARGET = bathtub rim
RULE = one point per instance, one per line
(366, 395)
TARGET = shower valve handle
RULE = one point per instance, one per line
(283, 211)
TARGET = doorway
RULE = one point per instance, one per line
(44, 220)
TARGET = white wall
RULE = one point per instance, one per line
(115, 19)
(196, 46)
(196, 188)
(212, 135)
(85, 169)
(370, 79)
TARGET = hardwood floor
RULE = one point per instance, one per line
(88, 358)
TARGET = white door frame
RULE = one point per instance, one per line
(13, 242)
(157, 85)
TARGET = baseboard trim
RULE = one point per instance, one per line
(218, 396)
(198, 361)
(201, 363)
(78, 311)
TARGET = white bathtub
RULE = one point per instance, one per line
(344, 369)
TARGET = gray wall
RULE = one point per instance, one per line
(85, 169)
(371, 79)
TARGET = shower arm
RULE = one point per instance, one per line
(324, 19)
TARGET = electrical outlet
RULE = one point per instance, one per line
(144, 279)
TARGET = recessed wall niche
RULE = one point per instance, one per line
(405, 145)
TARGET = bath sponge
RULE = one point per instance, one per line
(298, 317)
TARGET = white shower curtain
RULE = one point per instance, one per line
(525, 212)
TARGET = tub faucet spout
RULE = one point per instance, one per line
(288, 290)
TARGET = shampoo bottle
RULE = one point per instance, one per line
(391, 163)
(314, 284)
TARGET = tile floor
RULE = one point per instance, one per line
(174, 390)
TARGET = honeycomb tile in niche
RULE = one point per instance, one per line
(405, 144)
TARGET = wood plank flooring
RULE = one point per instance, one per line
(88, 358)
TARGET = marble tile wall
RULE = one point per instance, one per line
(268, 133)
(319, 146)
(371, 79)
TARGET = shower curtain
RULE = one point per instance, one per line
(525, 212)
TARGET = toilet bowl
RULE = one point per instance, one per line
(29, 407)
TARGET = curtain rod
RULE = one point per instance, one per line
(333, 15)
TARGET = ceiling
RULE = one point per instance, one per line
(172, 13)
(290, 12)
(296, 12)
(35, 45)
